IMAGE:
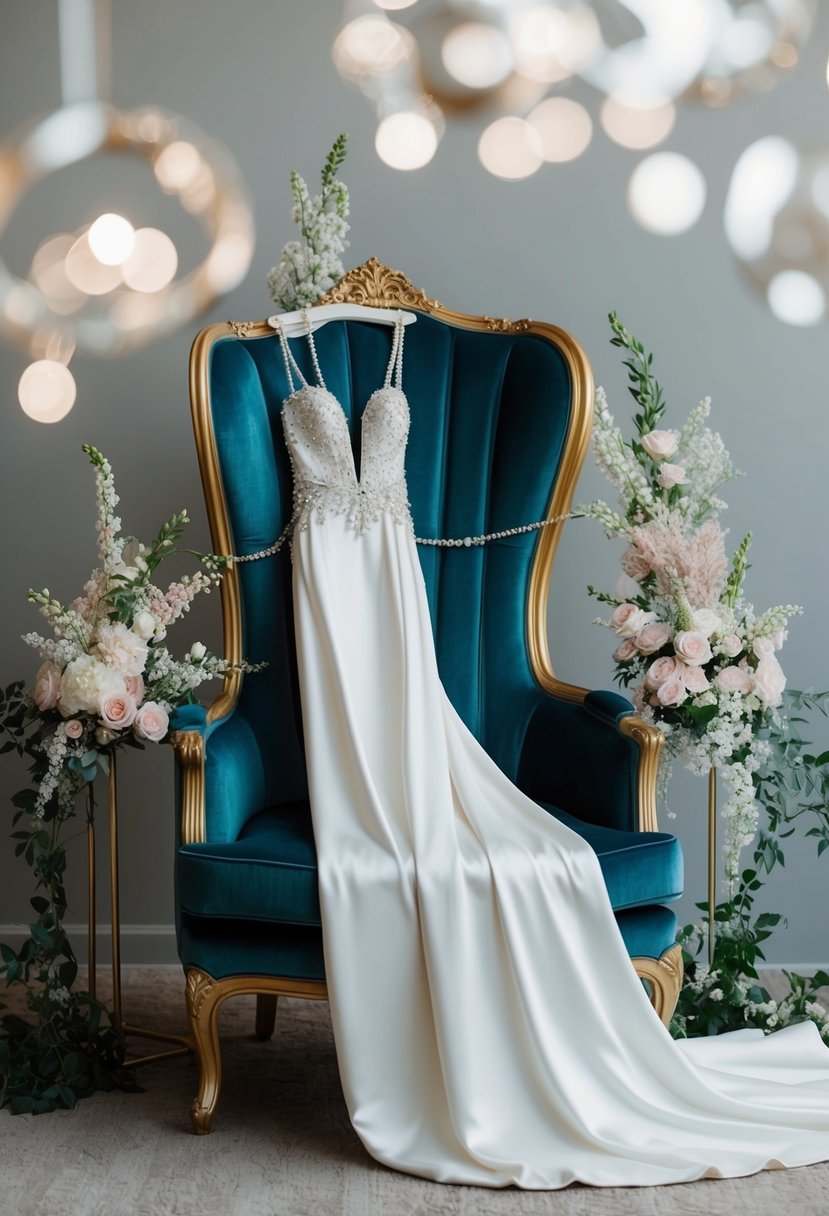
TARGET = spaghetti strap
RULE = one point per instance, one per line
(288, 358)
(396, 357)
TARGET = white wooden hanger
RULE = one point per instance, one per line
(294, 323)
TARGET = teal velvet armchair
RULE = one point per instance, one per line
(500, 421)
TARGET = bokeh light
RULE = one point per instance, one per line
(46, 390)
(666, 193)
(511, 148)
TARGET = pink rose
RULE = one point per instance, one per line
(671, 475)
(660, 445)
(135, 687)
(692, 647)
(763, 647)
(47, 686)
(653, 637)
(769, 681)
(660, 671)
(117, 711)
(151, 722)
(733, 679)
(672, 691)
(73, 728)
(624, 652)
(627, 620)
(694, 678)
(731, 645)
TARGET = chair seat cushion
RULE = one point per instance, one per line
(270, 872)
(639, 868)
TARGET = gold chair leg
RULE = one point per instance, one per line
(265, 1016)
(663, 976)
(204, 998)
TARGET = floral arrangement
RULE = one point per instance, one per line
(703, 668)
(702, 665)
(307, 268)
(107, 680)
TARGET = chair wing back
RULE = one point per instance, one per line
(499, 425)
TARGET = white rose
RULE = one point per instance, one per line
(779, 637)
(626, 588)
(130, 573)
(627, 620)
(121, 649)
(769, 681)
(84, 682)
(671, 475)
(145, 624)
(706, 621)
(197, 651)
(692, 647)
(660, 445)
(763, 647)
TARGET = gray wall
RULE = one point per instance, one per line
(559, 247)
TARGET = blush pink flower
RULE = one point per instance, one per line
(660, 445)
(627, 620)
(135, 687)
(117, 711)
(733, 679)
(151, 722)
(73, 728)
(694, 678)
(652, 637)
(692, 647)
(671, 475)
(769, 681)
(672, 691)
(731, 645)
(659, 671)
(763, 647)
(47, 686)
(624, 652)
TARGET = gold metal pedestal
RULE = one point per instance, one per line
(712, 861)
(182, 1044)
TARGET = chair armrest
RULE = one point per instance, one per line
(592, 756)
(220, 777)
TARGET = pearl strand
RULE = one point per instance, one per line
(306, 316)
(468, 542)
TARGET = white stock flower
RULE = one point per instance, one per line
(145, 624)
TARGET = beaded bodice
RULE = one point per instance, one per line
(319, 445)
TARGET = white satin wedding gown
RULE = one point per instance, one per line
(489, 1026)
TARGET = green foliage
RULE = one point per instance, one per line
(792, 789)
(737, 573)
(68, 1047)
(333, 161)
(642, 384)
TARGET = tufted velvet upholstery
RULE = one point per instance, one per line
(489, 419)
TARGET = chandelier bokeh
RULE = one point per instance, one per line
(421, 63)
(110, 284)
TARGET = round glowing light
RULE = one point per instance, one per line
(371, 45)
(48, 271)
(666, 193)
(632, 127)
(177, 165)
(564, 127)
(511, 148)
(477, 55)
(152, 263)
(539, 38)
(46, 391)
(87, 273)
(394, 5)
(796, 297)
(111, 238)
(406, 140)
(763, 181)
(752, 43)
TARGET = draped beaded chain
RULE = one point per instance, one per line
(395, 368)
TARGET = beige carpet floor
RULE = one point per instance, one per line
(282, 1144)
